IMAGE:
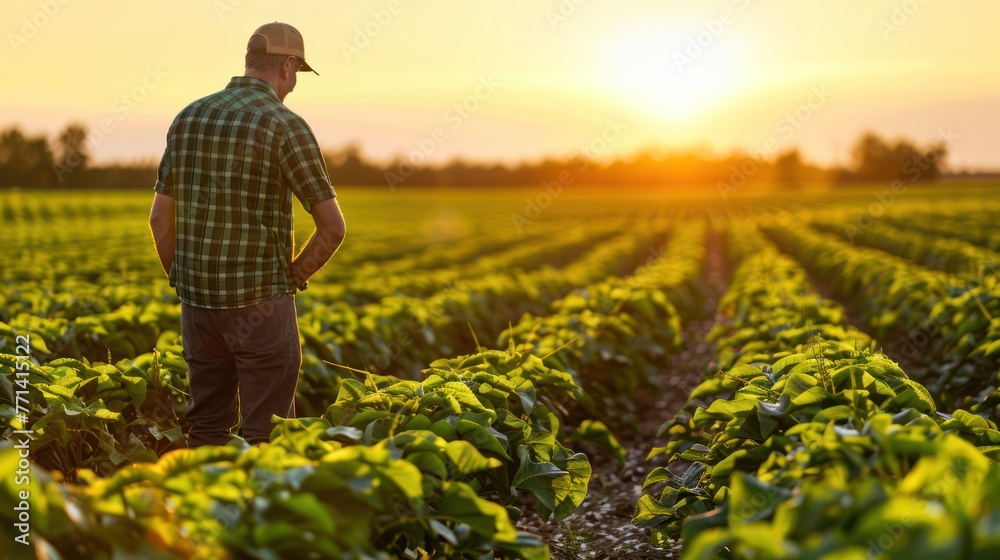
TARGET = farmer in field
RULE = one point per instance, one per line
(222, 225)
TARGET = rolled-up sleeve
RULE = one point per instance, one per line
(164, 178)
(302, 165)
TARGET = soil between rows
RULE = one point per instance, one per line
(602, 526)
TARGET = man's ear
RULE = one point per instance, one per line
(287, 68)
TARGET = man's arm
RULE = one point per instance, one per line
(161, 222)
(322, 244)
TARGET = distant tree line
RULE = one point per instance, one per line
(65, 161)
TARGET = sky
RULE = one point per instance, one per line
(508, 80)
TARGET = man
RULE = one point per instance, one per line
(222, 225)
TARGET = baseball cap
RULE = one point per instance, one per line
(281, 38)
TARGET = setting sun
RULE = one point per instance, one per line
(674, 73)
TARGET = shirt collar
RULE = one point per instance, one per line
(252, 83)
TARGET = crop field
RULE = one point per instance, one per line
(498, 373)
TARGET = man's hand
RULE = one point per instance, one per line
(163, 226)
(322, 244)
(292, 278)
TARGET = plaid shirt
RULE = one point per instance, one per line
(231, 162)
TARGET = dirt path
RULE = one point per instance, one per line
(602, 527)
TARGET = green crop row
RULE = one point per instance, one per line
(764, 279)
(55, 274)
(616, 335)
(962, 225)
(950, 327)
(419, 278)
(120, 320)
(936, 252)
(95, 416)
(406, 469)
(401, 333)
(807, 446)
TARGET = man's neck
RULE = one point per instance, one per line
(267, 78)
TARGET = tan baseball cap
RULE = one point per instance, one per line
(281, 38)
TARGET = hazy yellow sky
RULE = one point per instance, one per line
(518, 78)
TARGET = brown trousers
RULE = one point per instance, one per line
(243, 366)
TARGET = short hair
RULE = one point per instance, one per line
(259, 60)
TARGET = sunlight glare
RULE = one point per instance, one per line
(660, 72)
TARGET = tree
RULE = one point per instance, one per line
(73, 155)
(788, 167)
(877, 160)
(348, 166)
(24, 161)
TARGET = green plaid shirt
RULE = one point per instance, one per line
(232, 161)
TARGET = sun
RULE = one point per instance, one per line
(675, 74)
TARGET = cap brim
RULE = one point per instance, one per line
(304, 67)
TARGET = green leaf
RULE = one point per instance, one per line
(699, 523)
(136, 387)
(707, 544)
(990, 350)
(482, 437)
(487, 519)
(467, 459)
(752, 500)
(536, 477)
(569, 490)
(597, 433)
